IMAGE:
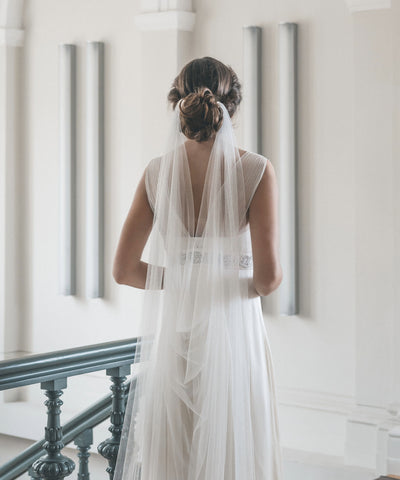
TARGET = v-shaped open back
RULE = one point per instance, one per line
(196, 189)
(253, 166)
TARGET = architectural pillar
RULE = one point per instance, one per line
(12, 272)
(372, 425)
(166, 28)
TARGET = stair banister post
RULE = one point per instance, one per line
(53, 465)
(83, 441)
(109, 448)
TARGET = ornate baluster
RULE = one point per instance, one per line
(32, 474)
(83, 441)
(54, 465)
(109, 448)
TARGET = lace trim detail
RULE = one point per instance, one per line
(229, 260)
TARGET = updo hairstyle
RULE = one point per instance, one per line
(201, 84)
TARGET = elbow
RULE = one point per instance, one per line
(118, 278)
(118, 275)
(267, 285)
(127, 274)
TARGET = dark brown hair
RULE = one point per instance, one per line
(202, 83)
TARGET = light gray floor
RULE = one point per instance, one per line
(292, 469)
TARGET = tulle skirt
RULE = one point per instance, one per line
(214, 416)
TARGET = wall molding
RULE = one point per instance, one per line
(162, 5)
(313, 420)
(368, 437)
(95, 169)
(364, 5)
(370, 415)
(67, 165)
(288, 169)
(11, 15)
(11, 37)
(371, 435)
(393, 453)
(315, 400)
(166, 20)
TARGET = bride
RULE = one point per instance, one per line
(202, 402)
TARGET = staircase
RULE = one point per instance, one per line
(387, 477)
(44, 459)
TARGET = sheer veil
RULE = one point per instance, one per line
(188, 408)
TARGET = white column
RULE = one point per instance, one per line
(67, 161)
(288, 291)
(12, 272)
(166, 27)
(166, 15)
(364, 5)
(252, 88)
(95, 170)
(372, 437)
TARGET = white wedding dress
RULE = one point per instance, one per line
(207, 408)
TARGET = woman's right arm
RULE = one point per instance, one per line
(264, 230)
(128, 268)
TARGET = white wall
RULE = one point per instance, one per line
(314, 352)
(59, 321)
(336, 363)
(326, 177)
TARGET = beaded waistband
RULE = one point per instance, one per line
(229, 260)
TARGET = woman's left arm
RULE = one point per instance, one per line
(128, 269)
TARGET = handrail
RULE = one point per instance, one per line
(51, 370)
(89, 418)
(66, 363)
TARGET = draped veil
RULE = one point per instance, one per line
(189, 401)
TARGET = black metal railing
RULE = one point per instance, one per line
(44, 460)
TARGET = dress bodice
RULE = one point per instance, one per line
(253, 166)
(197, 253)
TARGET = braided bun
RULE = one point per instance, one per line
(201, 117)
(201, 84)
